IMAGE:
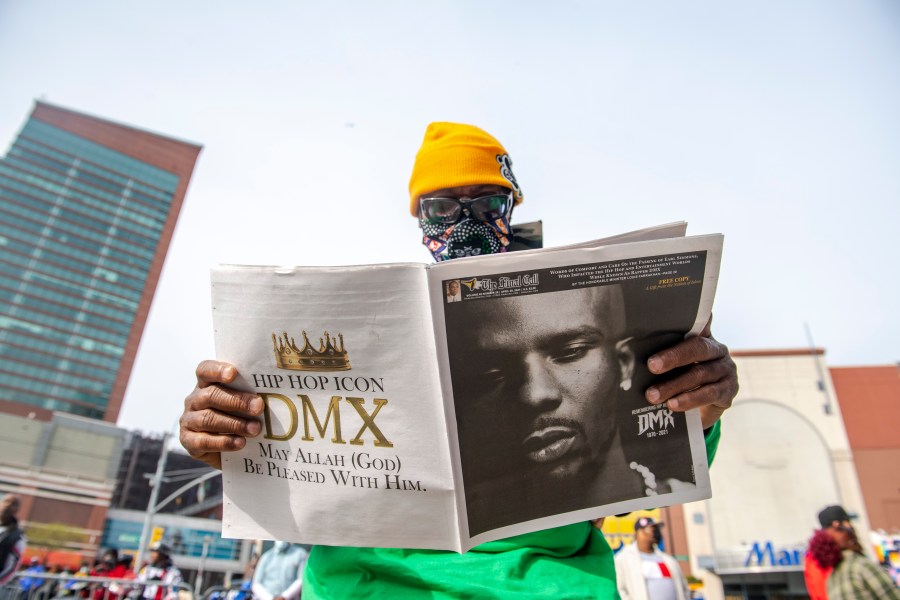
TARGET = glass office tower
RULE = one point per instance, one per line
(87, 211)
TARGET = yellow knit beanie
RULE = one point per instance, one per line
(452, 155)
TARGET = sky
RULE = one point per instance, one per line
(773, 123)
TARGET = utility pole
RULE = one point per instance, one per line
(155, 484)
(198, 579)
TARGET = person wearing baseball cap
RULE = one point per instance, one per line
(835, 516)
(644, 572)
(161, 548)
(160, 575)
(836, 558)
(645, 522)
(824, 551)
(462, 191)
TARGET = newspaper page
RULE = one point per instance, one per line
(359, 446)
(354, 447)
(543, 359)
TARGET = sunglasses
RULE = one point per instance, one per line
(447, 211)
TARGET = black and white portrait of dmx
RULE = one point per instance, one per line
(548, 392)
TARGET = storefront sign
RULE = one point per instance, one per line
(765, 554)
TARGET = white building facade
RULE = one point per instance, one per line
(784, 455)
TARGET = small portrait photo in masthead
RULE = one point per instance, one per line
(453, 290)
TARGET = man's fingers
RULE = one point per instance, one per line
(207, 433)
(217, 418)
(693, 350)
(213, 371)
(718, 393)
(217, 423)
(224, 399)
(697, 376)
(712, 399)
(701, 374)
(208, 447)
(205, 442)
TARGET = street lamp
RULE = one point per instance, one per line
(153, 506)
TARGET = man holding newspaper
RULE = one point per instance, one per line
(463, 192)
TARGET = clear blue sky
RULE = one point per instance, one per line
(776, 124)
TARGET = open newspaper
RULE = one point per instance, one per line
(447, 405)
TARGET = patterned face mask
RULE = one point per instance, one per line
(468, 237)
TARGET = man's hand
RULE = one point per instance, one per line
(217, 418)
(701, 374)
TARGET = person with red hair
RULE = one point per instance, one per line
(822, 556)
(835, 559)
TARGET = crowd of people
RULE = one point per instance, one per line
(836, 568)
(110, 577)
(275, 575)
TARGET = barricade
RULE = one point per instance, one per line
(227, 592)
(50, 586)
(215, 592)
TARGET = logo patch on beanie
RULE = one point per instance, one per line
(506, 170)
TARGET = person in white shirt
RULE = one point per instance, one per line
(279, 572)
(643, 572)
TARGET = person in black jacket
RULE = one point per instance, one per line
(12, 540)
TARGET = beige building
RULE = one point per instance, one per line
(64, 469)
(785, 454)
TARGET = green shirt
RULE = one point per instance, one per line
(564, 562)
(858, 578)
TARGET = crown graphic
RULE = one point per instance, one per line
(331, 355)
